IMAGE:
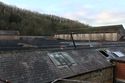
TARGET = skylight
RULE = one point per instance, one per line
(119, 54)
(61, 58)
(111, 54)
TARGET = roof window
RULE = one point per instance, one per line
(104, 53)
(118, 54)
(61, 59)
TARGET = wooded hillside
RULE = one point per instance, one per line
(33, 23)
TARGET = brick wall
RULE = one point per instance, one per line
(120, 71)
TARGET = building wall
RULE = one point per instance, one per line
(90, 36)
(9, 37)
(100, 76)
(120, 71)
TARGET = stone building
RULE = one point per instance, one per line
(67, 65)
(45, 66)
(102, 33)
(120, 68)
(117, 56)
(9, 35)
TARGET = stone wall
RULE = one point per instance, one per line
(90, 36)
(100, 76)
(9, 37)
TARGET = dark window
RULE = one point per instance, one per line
(61, 58)
(104, 53)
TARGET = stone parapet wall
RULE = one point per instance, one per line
(100, 76)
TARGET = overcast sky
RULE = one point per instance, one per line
(92, 12)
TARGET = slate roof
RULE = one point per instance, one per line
(119, 59)
(37, 67)
(9, 43)
(43, 42)
(9, 32)
(99, 29)
(115, 49)
(110, 28)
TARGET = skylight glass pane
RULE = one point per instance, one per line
(68, 58)
(61, 58)
(52, 56)
(119, 54)
(115, 55)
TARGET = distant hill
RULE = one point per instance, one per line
(33, 23)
